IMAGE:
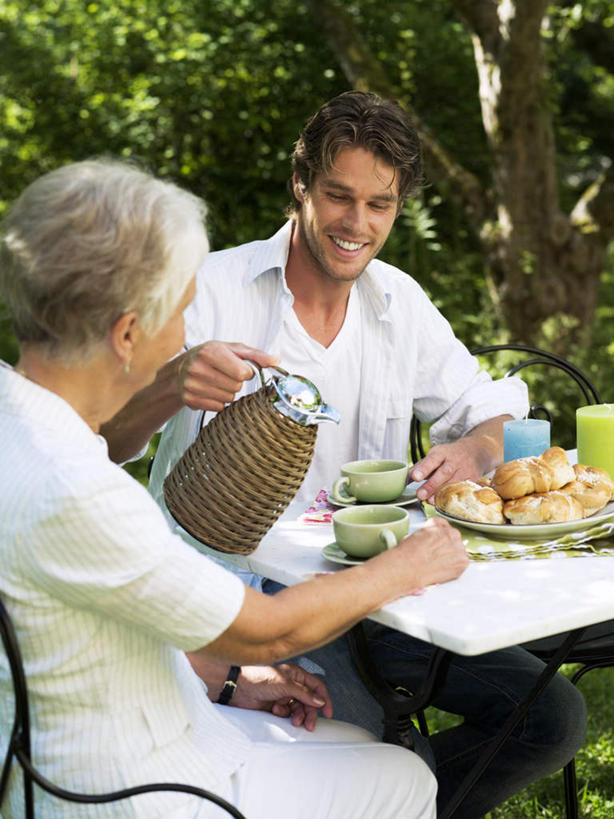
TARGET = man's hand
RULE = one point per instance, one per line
(458, 461)
(286, 690)
(210, 375)
(469, 458)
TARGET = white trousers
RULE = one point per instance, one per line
(338, 771)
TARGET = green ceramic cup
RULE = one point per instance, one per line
(364, 531)
(370, 481)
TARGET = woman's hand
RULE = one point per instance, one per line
(436, 551)
(210, 375)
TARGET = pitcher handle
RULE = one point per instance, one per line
(259, 370)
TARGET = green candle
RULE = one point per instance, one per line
(595, 435)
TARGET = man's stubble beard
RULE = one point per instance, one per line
(319, 260)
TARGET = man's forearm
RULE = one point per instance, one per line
(491, 444)
(128, 432)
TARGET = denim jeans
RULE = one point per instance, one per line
(483, 690)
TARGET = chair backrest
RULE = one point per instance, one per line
(19, 746)
(536, 356)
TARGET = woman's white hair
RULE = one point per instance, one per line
(91, 241)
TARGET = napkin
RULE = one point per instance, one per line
(320, 511)
(595, 540)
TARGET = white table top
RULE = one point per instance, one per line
(492, 605)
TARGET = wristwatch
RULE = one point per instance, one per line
(229, 687)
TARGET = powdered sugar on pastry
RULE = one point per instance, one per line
(469, 500)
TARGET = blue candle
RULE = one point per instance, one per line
(526, 437)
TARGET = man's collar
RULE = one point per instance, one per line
(370, 285)
(270, 254)
(273, 254)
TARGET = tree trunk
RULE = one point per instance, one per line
(545, 265)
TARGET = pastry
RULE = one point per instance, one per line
(525, 476)
(591, 498)
(556, 458)
(543, 507)
(469, 500)
(593, 475)
(591, 486)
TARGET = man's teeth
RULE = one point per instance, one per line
(347, 245)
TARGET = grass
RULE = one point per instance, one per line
(594, 763)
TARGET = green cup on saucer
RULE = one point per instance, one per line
(365, 531)
(370, 481)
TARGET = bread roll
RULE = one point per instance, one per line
(591, 498)
(594, 475)
(524, 476)
(562, 471)
(470, 501)
(543, 507)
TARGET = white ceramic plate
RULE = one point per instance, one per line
(535, 531)
(337, 555)
(407, 496)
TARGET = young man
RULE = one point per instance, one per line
(367, 335)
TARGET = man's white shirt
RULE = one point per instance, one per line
(410, 360)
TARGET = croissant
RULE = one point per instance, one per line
(544, 489)
(526, 476)
(469, 500)
(522, 477)
(591, 498)
(594, 476)
(543, 507)
(556, 458)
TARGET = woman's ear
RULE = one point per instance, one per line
(124, 336)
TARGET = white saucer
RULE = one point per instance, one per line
(407, 496)
(337, 555)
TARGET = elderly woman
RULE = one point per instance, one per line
(97, 265)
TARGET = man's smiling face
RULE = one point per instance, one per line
(348, 212)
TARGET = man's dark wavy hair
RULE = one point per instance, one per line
(356, 119)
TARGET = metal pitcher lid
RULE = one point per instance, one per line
(298, 398)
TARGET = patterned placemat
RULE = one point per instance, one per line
(594, 541)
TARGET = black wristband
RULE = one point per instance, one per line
(230, 685)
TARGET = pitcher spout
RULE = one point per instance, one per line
(328, 413)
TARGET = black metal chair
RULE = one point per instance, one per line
(399, 704)
(537, 357)
(19, 747)
(596, 647)
(594, 650)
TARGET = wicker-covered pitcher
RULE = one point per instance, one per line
(247, 464)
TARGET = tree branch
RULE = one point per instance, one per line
(594, 211)
(482, 19)
(507, 44)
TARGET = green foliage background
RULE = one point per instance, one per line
(213, 94)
